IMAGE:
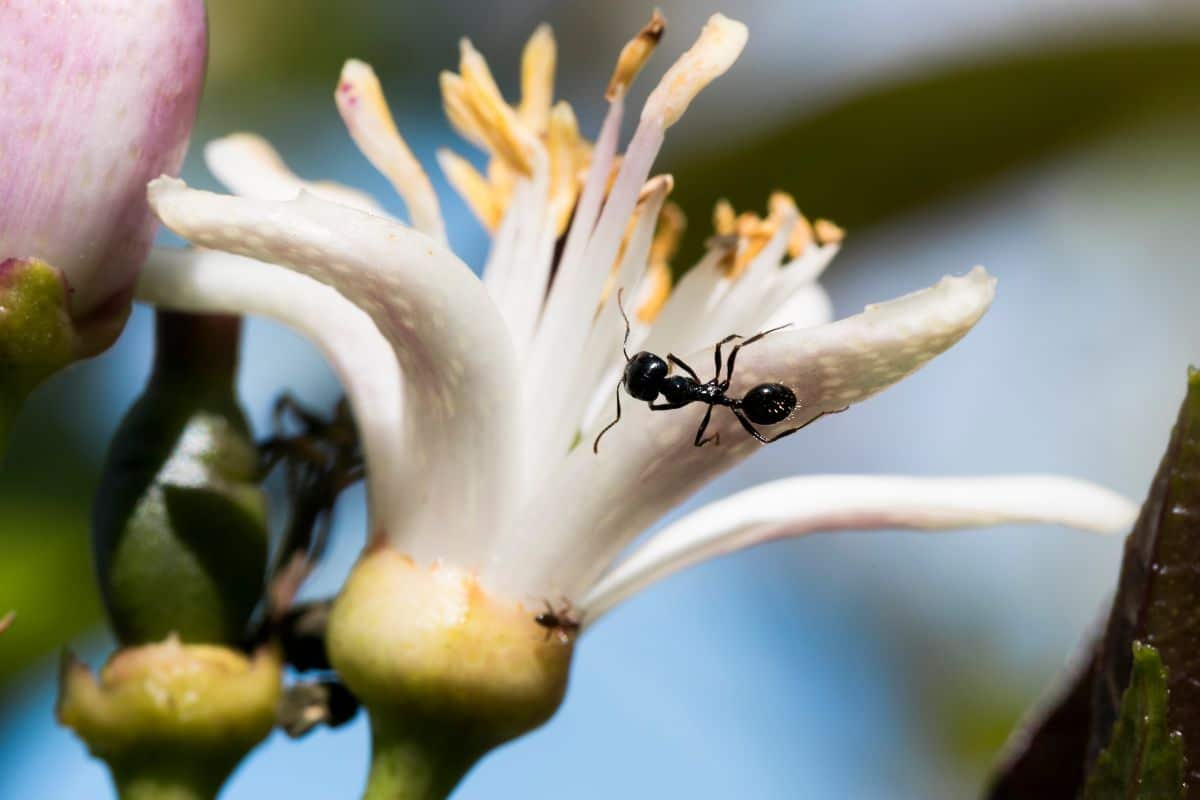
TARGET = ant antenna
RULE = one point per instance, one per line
(608, 427)
(624, 316)
(625, 351)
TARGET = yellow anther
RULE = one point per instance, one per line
(657, 289)
(478, 111)
(671, 224)
(827, 232)
(724, 218)
(802, 236)
(474, 189)
(567, 160)
(634, 55)
(537, 80)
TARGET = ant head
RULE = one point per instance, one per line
(769, 403)
(644, 375)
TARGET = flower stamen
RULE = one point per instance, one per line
(365, 111)
(634, 55)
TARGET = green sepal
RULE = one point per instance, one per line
(171, 721)
(37, 337)
(1144, 759)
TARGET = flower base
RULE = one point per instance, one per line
(446, 671)
(171, 720)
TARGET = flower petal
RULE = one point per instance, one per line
(206, 281)
(720, 43)
(602, 354)
(96, 98)
(457, 481)
(593, 505)
(365, 111)
(820, 503)
(250, 167)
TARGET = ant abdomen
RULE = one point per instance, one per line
(769, 403)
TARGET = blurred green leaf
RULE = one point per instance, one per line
(47, 479)
(1144, 760)
(919, 139)
(1046, 756)
(46, 578)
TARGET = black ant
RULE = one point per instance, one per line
(647, 376)
(561, 623)
(319, 463)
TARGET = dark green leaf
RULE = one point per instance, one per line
(1144, 759)
(1158, 593)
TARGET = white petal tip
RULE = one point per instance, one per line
(718, 46)
(162, 185)
(354, 68)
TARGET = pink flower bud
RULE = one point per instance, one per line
(97, 97)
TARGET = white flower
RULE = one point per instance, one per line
(478, 399)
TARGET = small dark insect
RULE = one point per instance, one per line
(561, 623)
(319, 462)
(647, 377)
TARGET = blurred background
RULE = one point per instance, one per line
(1055, 141)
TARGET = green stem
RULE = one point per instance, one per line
(166, 784)
(417, 761)
(11, 398)
(196, 349)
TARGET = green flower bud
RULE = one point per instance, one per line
(179, 525)
(171, 720)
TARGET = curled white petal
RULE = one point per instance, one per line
(821, 503)
(807, 307)
(721, 42)
(457, 480)
(249, 166)
(361, 102)
(591, 506)
(208, 281)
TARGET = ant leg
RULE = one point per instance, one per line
(750, 428)
(288, 404)
(734, 353)
(596, 444)
(717, 353)
(679, 362)
(700, 441)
